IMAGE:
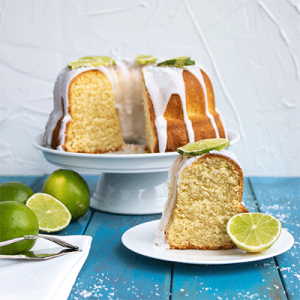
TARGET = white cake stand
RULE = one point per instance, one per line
(132, 184)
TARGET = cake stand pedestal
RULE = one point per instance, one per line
(131, 184)
(131, 193)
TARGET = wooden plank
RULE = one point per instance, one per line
(114, 272)
(257, 280)
(280, 197)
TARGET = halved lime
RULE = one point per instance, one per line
(52, 215)
(91, 61)
(253, 232)
(143, 59)
(203, 146)
(178, 62)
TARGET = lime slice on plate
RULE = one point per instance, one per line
(91, 61)
(52, 215)
(177, 62)
(253, 232)
(143, 59)
(203, 146)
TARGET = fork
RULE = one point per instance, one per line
(40, 254)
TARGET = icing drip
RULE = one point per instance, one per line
(160, 238)
(61, 108)
(161, 83)
(198, 74)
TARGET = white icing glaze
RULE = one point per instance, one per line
(61, 106)
(180, 163)
(160, 238)
(161, 83)
(197, 73)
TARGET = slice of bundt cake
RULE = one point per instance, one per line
(95, 125)
(98, 108)
(204, 193)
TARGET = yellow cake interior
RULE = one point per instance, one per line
(95, 123)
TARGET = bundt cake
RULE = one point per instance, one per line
(204, 193)
(99, 109)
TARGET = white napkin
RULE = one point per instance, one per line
(43, 280)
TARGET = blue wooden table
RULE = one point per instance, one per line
(114, 272)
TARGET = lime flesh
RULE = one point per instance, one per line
(203, 146)
(253, 232)
(52, 215)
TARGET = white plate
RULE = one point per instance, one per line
(139, 239)
(114, 162)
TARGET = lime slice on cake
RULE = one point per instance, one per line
(91, 61)
(203, 146)
(52, 215)
(177, 62)
(143, 59)
(253, 232)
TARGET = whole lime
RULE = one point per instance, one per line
(71, 189)
(16, 220)
(15, 191)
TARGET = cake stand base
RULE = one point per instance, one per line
(131, 193)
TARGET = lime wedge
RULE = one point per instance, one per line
(142, 59)
(203, 146)
(52, 215)
(253, 232)
(91, 61)
(178, 62)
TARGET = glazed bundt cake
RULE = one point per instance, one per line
(204, 193)
(99, 109)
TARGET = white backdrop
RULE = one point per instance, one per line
(250, 49)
